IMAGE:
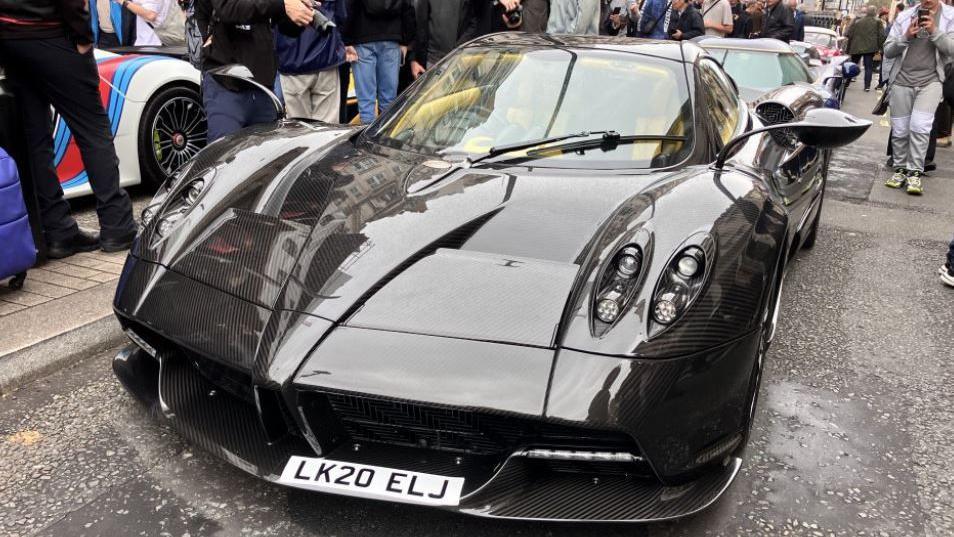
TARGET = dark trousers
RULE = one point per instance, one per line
(230, 111)
(46, 72)
(942, 120)
(868, 61)
(950, 254)
(107, 40)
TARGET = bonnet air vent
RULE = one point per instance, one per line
(774, 113)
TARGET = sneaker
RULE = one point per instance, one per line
(914, 184)
(930, 166)
(947, 277)
(944, 268)
(898, 179)
(944, 142)
(867, 90)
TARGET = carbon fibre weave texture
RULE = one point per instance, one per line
(518, 492)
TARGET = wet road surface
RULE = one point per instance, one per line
(854, 433)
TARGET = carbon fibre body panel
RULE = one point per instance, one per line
(512, 487)
(326, 293)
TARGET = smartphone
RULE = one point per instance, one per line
(922, 15)
(616, 10)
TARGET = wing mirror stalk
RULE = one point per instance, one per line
(824, 128)
(238, 74)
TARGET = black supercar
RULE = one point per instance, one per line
(541, 286)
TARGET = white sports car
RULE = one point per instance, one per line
(156, 116)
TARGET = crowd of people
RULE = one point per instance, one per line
(388, 43)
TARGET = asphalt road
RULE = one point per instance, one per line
(853, 434)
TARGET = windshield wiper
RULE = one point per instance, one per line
(529, 144)
(607, 142)
(611, 143)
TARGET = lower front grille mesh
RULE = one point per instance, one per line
(401, 423)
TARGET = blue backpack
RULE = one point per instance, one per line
(17, 251)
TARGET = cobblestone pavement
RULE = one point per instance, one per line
(61, 278)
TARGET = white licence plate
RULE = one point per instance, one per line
(375, 482)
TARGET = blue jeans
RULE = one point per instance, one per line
(376, 76)
(230, 111)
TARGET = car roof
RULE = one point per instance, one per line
(819, 30)
(671, 50)
(763, 44)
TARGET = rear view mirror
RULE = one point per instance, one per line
(824, 128)
(827, 128)
(238, 75)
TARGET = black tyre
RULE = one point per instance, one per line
(172, 130)
(813, 231)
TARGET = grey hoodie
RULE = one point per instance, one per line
(574, 17)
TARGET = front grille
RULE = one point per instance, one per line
(382, 421)
(773, 114)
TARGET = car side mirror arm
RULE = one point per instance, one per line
(729, 147)
(824, 128)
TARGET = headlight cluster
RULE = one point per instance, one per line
(619, 283)
(679, 285)
(173, 202)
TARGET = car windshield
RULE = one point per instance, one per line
(824, 40)
(762, 70)
(481, 98)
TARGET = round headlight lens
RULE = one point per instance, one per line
(165, 226)
(193, 191)
(688, 266)
(607, 310)
(665, 312)
(627, 265)
(166, 223)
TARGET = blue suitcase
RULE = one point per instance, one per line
(17, 251)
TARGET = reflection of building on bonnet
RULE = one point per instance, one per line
(921, 41)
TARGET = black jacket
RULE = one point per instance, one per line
(241, 32)
(37, 19)
(365, 27)
(456, 22)
(741, 22)
(779, 22)
(689, 23)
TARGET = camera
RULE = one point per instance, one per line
(320, 22)
(514, 17)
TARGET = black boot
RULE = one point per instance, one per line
(118, 244)
(83, 241)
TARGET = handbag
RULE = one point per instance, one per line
(171, 30)
(882, 105)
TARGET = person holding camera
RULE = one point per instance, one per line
(240, 31)
(920, 43)
(308, 65)
(686, 22)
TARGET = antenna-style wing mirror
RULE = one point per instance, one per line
(238, 74)
(824, 128)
